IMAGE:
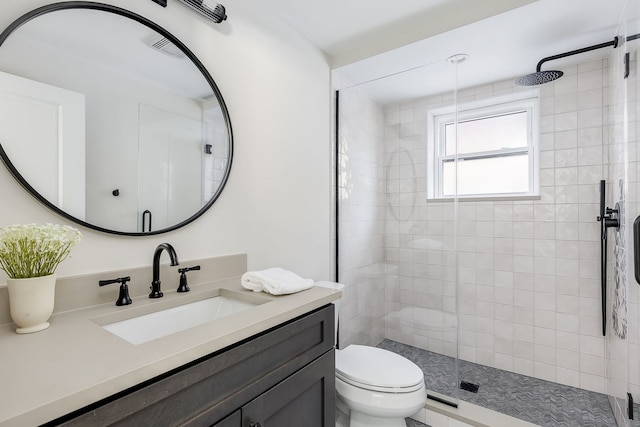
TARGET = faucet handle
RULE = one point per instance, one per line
(123, 296)
(184, 287)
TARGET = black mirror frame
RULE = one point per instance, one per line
(142, 20)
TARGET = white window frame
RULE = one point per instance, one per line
(437, 119)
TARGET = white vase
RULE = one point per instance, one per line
(31, 302)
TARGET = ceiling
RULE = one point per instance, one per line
(349, 30)
(365, 40)
(111, 45)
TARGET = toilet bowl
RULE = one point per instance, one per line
(377, 388)
(380, 388)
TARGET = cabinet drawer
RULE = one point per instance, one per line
(205, 391)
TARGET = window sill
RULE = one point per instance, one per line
(485, 198)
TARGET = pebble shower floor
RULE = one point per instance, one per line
(541, 402)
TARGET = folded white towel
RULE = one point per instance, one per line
(276, 281)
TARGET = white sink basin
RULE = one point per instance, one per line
(148, 327)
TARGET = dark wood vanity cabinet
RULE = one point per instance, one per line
(282, 377)
(300, 400)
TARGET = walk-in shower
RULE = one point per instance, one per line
(487, 284)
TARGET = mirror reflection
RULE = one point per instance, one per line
(110, 122)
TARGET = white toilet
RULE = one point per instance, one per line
(375, 387)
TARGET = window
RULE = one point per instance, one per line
(495, 151)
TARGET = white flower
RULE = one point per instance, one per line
(35, 250)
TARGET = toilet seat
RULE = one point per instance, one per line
(376, 369)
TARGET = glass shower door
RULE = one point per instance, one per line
(397, 250)
(633, 206)
(622, 355)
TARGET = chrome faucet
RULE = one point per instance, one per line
(155, 284)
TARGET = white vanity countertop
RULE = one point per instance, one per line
(76, 362)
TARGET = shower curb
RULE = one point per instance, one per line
(437, 414)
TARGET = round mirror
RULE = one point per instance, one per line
(110, 120)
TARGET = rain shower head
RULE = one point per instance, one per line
(541, 77)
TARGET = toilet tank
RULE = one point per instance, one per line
(336, 287)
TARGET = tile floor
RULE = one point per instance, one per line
(414, 423)
(540, 402)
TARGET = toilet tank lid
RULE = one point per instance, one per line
(331, 285)
(377, 367)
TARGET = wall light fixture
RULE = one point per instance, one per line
(209, 8)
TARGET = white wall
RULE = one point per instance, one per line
(276, 206)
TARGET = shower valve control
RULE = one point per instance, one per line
(610, 217)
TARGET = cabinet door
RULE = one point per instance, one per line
(306, 398)
(232, 420)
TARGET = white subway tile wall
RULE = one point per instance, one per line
(616, 355)
(361, 196)
(519, 288)
(215, 164)
(527, 270)
(621, 351)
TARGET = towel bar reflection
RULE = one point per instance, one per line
(146, 214)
